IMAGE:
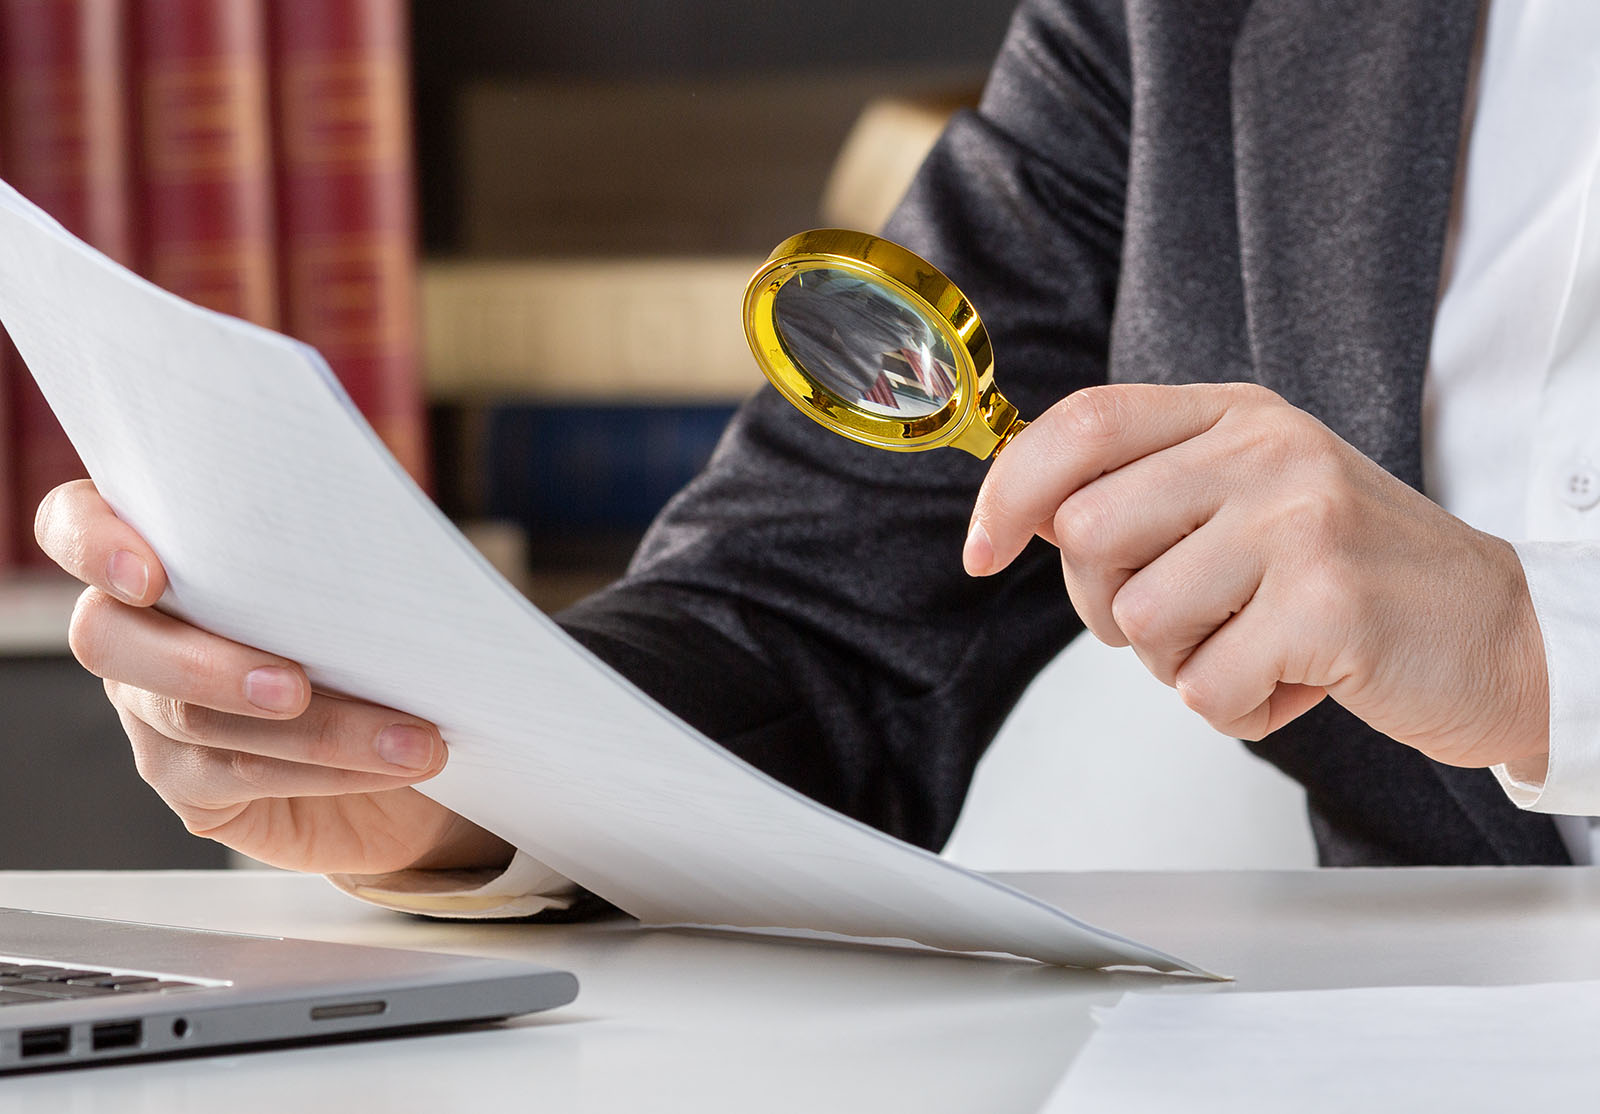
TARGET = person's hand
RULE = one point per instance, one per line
(1258, 563)
(234, 739)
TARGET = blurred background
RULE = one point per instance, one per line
(520, 230)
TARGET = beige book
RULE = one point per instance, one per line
(880, 156)
(639, 330)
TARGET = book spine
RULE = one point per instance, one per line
(660, 329)
(63, 130)
(564, 470)
(205, 169)
(347, 207)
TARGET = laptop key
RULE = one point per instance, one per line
(8, 997)
(60, 990)
(59, 974)
(121, 982)
(131, 984)
(33, 992)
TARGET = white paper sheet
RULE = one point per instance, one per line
(284, 524)
(1459, 1049)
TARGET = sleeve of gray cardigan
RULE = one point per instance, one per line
(802, 601)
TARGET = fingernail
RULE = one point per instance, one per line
(408, 747)
(977, 556)
(273, 689)
(128, 575)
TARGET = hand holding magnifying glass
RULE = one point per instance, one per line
(876, 344)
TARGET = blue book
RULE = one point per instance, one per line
(587, 468)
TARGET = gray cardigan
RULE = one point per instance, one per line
(1157, 190)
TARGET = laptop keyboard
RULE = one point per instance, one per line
(32, 983)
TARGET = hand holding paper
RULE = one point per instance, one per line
(234, 739)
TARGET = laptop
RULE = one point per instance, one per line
(78, 990)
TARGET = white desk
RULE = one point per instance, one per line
(670, 1021)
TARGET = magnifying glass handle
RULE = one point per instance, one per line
(993, 426)
(1016, 427)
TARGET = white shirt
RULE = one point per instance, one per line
(1511, 404)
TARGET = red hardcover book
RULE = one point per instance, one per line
(64, 122)
(346, 214)
(205, 167)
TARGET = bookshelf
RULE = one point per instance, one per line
(606, 181)
(619, 43)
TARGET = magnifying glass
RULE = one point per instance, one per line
(876, 344)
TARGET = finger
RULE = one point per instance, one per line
(1236, 680)
(1116, 525)
(1285, 704)
(146, 649)
(202, 784)
(80, 532)
(1086, 435)
(332, 732)
(1168, 609)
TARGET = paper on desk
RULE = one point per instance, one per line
(1403, 1049)
(284, 524)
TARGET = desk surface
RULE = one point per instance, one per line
(704, 1021)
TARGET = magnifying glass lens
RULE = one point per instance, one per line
(870, 340)
(864, 343)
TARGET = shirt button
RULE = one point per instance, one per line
(1580, 487)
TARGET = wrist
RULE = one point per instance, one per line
(1516, 658)
(1478, 692)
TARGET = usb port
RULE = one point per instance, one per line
(46, 1042)
(116, 1034)
(347, 1009)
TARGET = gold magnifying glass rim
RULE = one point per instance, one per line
(974, 418)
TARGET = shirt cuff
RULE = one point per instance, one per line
(1563, 578)
(522, 889)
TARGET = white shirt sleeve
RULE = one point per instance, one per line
(523, 888)
(1564, 581)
